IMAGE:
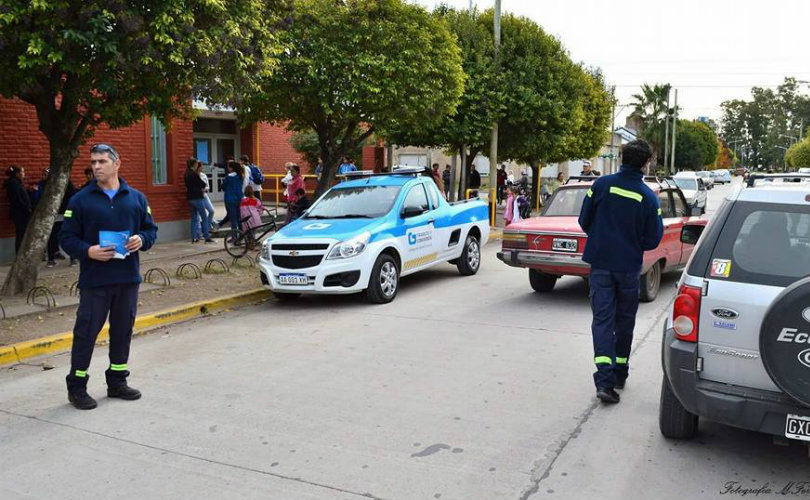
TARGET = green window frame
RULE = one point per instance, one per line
(160, 168)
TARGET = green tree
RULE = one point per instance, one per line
(764, 125)
(306, 143)
(354, 67)
(481, 102)
(81, 63)
(650, 107)
(696, 146)
(798, 156)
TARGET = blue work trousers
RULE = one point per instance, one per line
(614, 302)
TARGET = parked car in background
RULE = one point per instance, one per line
(736, 347)
(721, 176)
(693, 189)
(551, 246)
(708, 178)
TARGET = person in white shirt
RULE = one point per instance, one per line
(209, 207)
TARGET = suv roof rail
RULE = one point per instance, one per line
(752, 178)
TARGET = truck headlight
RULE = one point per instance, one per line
(349, 248)
(266, 250)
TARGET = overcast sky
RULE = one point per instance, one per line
(711, 50)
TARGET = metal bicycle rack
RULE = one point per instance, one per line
(211, 266)
(196, 272)
(74, 289)
(40, 291)
(147, 278)
(246, 258)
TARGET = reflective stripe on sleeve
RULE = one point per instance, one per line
(590, 193)
(626, 194)
(660, 212)
(602, 360)
(68, 213)
(148, 209)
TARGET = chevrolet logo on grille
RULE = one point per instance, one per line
(294, 253)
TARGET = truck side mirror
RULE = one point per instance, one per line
(412, 211)
(690, 234)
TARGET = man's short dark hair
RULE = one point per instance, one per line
(245, 158)
(636, 154)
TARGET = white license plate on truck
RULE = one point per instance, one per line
(797, 427)
(564, 245)
(293, 279)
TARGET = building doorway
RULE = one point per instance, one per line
(216, 140)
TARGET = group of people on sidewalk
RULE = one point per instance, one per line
(23, 200)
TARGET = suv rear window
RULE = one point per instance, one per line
(767, 244)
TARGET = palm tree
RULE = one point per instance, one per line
(650, 107)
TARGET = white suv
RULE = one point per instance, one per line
(736, 347)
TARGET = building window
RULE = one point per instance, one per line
(159, 167)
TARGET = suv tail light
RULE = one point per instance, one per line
(686, 313)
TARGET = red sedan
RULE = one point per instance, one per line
(551, 245)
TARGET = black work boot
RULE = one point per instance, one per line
(123, 391)
(117, 385)
(77, 392)
(620, 383)
(609, 395)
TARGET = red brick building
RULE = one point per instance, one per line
(152, 159)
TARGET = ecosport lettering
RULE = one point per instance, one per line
(791, 335)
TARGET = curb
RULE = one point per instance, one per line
(16, 353)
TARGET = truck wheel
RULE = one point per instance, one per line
(470, 259)
(384, 282)
(674, 420)
(651, 283)
(541, 282)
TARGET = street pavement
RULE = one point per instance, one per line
(462, 388)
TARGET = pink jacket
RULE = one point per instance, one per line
(508, 213)
(251, 207)
(294, 185)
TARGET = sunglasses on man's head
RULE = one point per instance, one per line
(104, 148)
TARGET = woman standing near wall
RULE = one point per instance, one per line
(19, 201)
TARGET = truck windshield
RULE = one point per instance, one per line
(566, 202)
(356, 202)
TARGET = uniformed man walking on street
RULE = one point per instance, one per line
(622, 218)
(110, 211)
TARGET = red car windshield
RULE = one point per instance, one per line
(566, 202)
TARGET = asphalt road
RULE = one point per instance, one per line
(463, 388)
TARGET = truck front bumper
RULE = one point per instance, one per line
(343, 276)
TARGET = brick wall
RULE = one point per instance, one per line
(275, 150)
(23, 144)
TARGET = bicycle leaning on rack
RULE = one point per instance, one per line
(250, 238)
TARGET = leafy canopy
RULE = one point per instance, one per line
(696, 145)
(375, 64)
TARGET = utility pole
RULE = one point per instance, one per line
(674, 132)
(612, 167)
(493, 147)
(666, 135)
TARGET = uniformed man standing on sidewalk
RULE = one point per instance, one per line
(109, 276)
(623, 219)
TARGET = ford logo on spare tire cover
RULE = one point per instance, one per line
(784, 341)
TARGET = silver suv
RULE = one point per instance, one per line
(736, 347)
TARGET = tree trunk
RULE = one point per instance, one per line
(535, 166)
(25, 270)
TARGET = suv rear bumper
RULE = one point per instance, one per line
(752, 409)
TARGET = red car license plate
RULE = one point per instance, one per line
(564, 245)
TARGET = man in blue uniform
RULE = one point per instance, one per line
(111, 211)
(622, 218)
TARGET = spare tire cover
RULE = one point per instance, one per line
(784, 341)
